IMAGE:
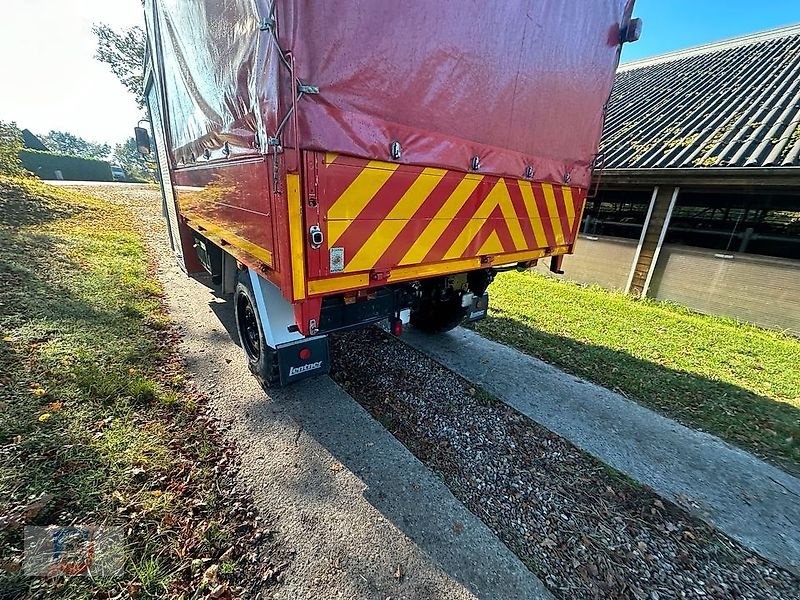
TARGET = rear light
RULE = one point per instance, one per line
(397, 327)
(305, 354)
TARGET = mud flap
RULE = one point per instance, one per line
(302, 359)
(478, 309)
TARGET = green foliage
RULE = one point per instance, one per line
(123, 51)
(734, 380)
(45, 164)
(136, 166)
(10, 146)
(63, 142)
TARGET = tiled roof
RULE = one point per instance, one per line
(730, 104)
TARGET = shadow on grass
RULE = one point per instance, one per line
(18, 209)
(762, 425)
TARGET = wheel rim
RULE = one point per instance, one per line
(248, 327)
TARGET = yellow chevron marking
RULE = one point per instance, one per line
(443, 218)
(388, 229)
(552, 209)
(533, 213)
(330, 157)
(492, 245)
(358, 194)
(512, 219)
(569, 203)
(336, 229)
(473, 226)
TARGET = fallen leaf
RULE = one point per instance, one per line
(55, 406)
(398, 573)
(44, 417)
(156, 493)
(34, 508)
(134, 588)
(10, 567)
(227, 554)
(38, 392)
(211, 573)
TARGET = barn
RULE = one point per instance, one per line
(698, 197)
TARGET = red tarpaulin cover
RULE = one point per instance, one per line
(514, 82)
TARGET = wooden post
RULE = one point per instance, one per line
(651, 240)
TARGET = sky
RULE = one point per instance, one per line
(49, 78)
(677, 24)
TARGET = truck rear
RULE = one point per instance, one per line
(337, 164)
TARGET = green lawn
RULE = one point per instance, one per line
(739, 382)
(92, 397)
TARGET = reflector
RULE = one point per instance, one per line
(397, 327)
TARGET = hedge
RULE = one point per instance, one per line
(10, 146)
(45, 164)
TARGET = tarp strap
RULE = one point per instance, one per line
(270, 24)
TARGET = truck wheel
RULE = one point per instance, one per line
(438, 317)
(261, 359)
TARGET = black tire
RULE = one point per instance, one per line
(438, 317)
(261, 358)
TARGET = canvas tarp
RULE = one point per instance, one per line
(513, 82)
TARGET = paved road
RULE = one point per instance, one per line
(363, 517)
(750, 500)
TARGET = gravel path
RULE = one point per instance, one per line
(352, 513)
(585, 529)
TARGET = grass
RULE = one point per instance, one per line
(92, 399)
(733, 380)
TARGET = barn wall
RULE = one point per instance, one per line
(605, 261)
(758, 289)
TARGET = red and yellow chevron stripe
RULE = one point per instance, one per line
(386, 216)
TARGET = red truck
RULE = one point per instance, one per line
(340, 163)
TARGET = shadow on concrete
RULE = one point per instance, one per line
(385, 474)
(761, 425)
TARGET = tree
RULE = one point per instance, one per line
(123, 51)
(63, 142)
(10, 146)
(136, 166)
